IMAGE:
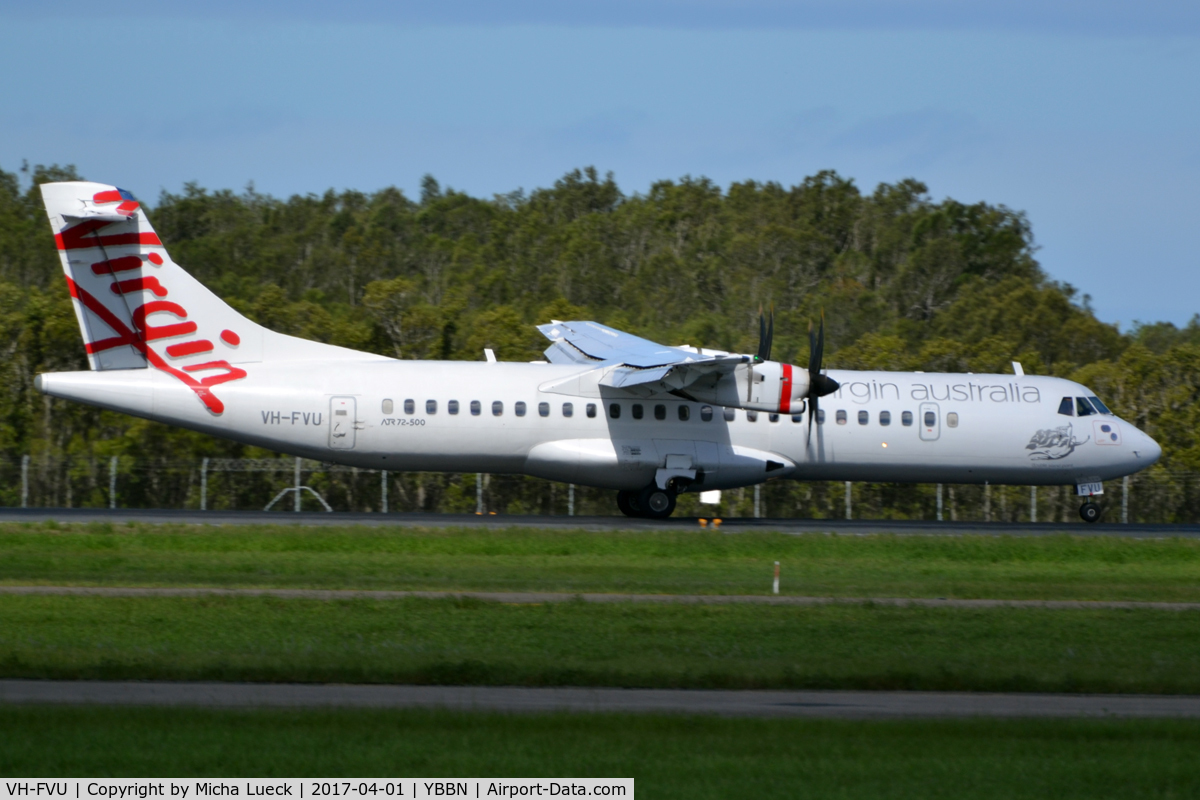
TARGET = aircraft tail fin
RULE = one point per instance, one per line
(137, 308)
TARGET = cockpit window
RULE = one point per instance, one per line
(1067, 407)
(1103, 409)
(1083, 408)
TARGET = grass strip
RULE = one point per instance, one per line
(678, 562)
(470, 641)
(669, 756)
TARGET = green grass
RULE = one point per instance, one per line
(668, 756)
(677, 561)
(466, 641)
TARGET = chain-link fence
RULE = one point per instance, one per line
(289, 484)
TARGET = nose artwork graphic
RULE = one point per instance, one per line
(1053, 443)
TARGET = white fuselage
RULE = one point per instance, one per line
(986, 428)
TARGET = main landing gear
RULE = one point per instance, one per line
(651, 502)
(1089, 511)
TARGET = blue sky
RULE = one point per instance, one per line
(1084, 115)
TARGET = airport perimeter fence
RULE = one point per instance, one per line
(286, 484)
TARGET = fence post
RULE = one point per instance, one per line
(112, 482)
(24, 481)
(939, 502)
(383, 490)
(1124, 499)
(987, 502)
(571, 500)
(848, 514)
(296, 502)
(1033, 504)
(757, 500)
(204, 484)
(478, 492)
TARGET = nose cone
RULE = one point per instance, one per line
(1148, 451)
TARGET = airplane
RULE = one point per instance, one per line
(605, 409)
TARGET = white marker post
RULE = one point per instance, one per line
(775, 586)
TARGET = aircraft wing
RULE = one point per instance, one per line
(638, 364)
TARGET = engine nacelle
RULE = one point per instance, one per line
(767, 386)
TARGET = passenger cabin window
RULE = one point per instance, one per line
(952, 419)
(841, 417)
(930, 419)
(410, 407)
(431, 406)
(614, 410)
(451, 406)
(906, 418)
(660, 411)
(820, 416)
(1066, 407)
(729, 414)
(1103, 409)
(497, 408)
(543, 409)
(569, 410)
(706, 413)
(387, 406)
(591, 410)
(885, 418)
(797, 417)
(476, 407)
(637, 411)
(863, 417)
(519, 408)
(751, 416)
(773, 417)
(1083, 408)
(685, 411)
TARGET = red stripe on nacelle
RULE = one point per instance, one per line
(785, 390)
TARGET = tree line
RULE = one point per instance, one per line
(904, 282)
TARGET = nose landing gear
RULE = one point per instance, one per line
(1089, 511)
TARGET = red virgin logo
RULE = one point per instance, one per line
(144, 331)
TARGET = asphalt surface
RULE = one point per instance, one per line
(586, 597)
(732, 525)
(813, 704)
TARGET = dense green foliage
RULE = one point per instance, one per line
(670, 756)
(658, 562)
(905, 283)
(468, 641)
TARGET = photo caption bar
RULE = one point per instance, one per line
(373, 788)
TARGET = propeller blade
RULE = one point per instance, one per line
(813, 406)
(770, 335)
(821, 342)
(762, 334)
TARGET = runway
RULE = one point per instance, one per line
(599, 524)
(533, 598)
(513, 699)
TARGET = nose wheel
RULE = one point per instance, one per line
(1089, 512)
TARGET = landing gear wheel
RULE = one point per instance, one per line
(627, 501)
(1089, 512)
(657, 503)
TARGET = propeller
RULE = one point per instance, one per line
(766, 333)
(819, 385)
